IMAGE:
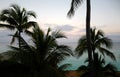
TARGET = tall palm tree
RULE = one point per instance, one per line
(101, 69)
(44, 53)
(98, 42)
(74, 5)
(47, 47)
(16, 18)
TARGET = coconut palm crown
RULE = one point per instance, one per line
(98, 42)
(16, 18)
(46, 46)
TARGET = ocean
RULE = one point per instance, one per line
(76, 62)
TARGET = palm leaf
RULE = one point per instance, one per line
(59, 53)
(74, 5)
(28, 32)
(81, 47)
(58, 34)
(29, 24)
(110, 67)
(105, 42)
(16, 8)
(7, 26)
(64, 49)
(5, 11)
(14, 37)
(31, 13)
(99, 34)
(3, 17)
(107, 52)
(64, 66)
(48, 32)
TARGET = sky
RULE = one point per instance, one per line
(53, 13)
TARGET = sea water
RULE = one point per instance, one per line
(76, 62)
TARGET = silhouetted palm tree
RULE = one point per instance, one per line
(98, 42)
(101, 70)
(16, 18)
(45, 53)
(74, 5)
(47, 47)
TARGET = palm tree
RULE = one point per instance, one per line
(101, 70)
(16, 18)
(47, 47)
(44, 54)
(74, 5)
(98, 42)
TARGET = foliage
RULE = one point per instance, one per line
(15, 18)
(98, 42)
(100, 69)
(74, 5)
(44, 55)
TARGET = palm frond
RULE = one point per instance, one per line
(93, 31)
(16, 8)
(14, 37)
(9, 15)
(99, 34)
(5, 11)
(64, 49)
(110, 67)
(64, 66)
(29, 24)
(58, 54)
(55, 58)
(58, 34)
(11, 21)
(3, 17)
(7, 26)
(80, 50)
(74, 5)
(37, 35)
(105, 42)
(31, 13)
(28, 32)
(14, 48)
(107, 52)
(81, 47)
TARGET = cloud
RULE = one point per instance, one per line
(64, 27)
(70, 31)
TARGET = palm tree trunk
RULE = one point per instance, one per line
(88, 35)
(19, 34)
